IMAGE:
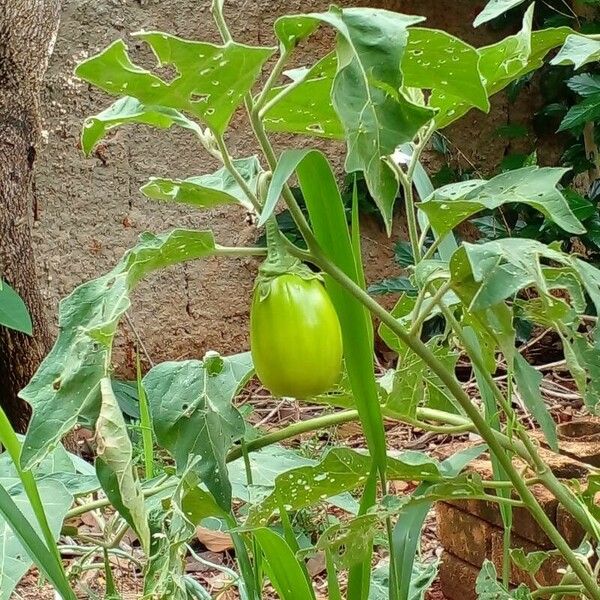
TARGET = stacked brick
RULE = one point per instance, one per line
(470, 531)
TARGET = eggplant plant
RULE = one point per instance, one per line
(385, 88)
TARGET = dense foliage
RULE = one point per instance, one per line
(385, 89)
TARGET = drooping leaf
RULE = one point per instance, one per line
(493, 9)
(328, 219)
(578, 50)
(13, 311)
(207, 191)
(130, 110)
(366, 94)
(436, 60)
(115, 467)
(20, 536)
(193, 415)
(579, 114)
(283, 569)
(450, 205)
(341, 470)
(66, 388)
(528, 383)
(210, 84)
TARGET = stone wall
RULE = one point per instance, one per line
(89, 211)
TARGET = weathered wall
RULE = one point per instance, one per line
(89, 211)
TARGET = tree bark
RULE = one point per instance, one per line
(27, 33)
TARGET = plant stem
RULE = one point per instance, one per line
(486, 432)
(272, 80)
(422, 317)
(562, 590)
(145, 422)
(239, 252)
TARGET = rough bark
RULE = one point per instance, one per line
(27, 34)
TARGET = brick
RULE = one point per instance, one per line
(569, 528)
(457, 578)
(523, 523)
(547, 575)
(463, 535)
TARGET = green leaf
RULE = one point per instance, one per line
(130, 110)
(585, 84)
(502, 63)
(488, 587)
(375, 115)
(493, 9)
(350, 542)
(304, 106)
(115, 467)
(436, 60)
(283, 569)
(450, 205)
(578, 50)
(528, 382)
(13, 311)
(207, 191)
(21, 544)
(328, 219)
(66, 388)
(194, 418)
(394, 285)
(420, 580)
(210, 83)
(530, 562)
(407, 530)
(580, 114)
(340, 470)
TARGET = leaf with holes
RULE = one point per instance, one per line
(115, 467)
(304, 106)
(376, 117)
(502, 63)
(209, 190)
(436, 60)
(66, 388)
(340, 470)
(578, 50)
(210, 83)
(130, 110)
(454, 203)
(193, 415)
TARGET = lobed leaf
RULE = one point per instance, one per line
(454, 203)
(194, 418)
(130, 110)
(578, 50)
(66, 388)
(210, 84)
(209, 190)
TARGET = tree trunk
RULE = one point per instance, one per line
(27, 33)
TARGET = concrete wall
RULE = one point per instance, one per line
(89, 211)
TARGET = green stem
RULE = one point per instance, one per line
(415, 330)
(549, 480)
(239, 252)
(11, 443)
(486, 432)
(145, 422)
(271, 81)
(561, 590)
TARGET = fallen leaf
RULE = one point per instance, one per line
(215, 541)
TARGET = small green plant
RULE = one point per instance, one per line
(388, 86)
